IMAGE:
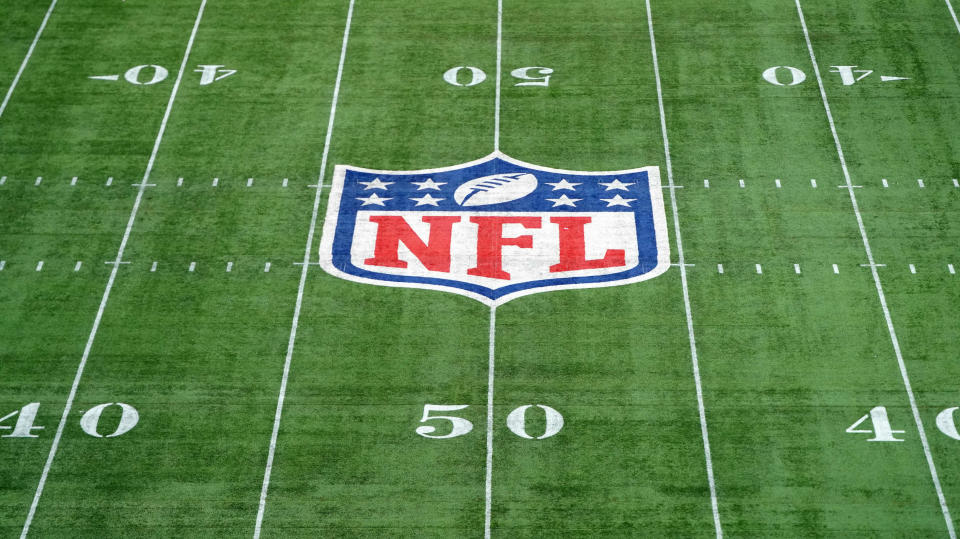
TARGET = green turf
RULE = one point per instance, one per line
(788, 361)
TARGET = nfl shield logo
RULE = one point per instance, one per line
(496, 228)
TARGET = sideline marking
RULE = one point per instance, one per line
(23, 66)
(950, 269)
(913, 269)
(876, 280)
(113, 276)
(153, 267)
(777, 182)
(813, 183)
(720, 269)
(796, 268)
(303, 280)
(953, 14)
(683, 279)
(885, 183)
(39, 265)
(77, 266)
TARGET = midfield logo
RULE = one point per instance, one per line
(496, 228)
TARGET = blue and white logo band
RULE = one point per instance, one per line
(496, 228)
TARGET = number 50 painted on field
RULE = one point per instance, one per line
(529, 76)
(516, 421)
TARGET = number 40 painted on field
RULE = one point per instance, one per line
(26, 416)
(883, 432)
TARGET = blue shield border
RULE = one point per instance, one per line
(335, 244)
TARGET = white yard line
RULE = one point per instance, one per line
(26, 59)
(496, 113)
(303, 281)
(488, 504)
(113, 276)
(683, 279)
(953, 14)
(876, 281)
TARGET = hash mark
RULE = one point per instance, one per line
(216, 181)
(179, 182)
(249, 182)
(229, 267)
(920, 183)
(759, 270)
(153, 267)
(885, 183)
(796, 268)
(742, 185)
(836, 269)
(777, 182)
(39, 179)
(3, 180)
(73, 181)
(955, 183)
(913, 269)
(813, 183)
(266, 268)
(2, 264)
(77, 266)
(285, 180)
(706, 184)
(40, 265)
(951, 270)
(109, 181)
(720, 269)
(193, 266)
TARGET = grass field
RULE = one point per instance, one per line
(159, 236)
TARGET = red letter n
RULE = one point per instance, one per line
(573, 252)
(393, 229)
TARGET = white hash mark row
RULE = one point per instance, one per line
(76, 180)
(884, 182)
(721, 269)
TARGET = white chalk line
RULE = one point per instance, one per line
(271, 453)
(876, 279)
(26, 59)
(113, 276)
(488, 488)
(953, 14)
(683, 279)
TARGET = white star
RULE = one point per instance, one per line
(428, 184)
(616, 184)
(373, 199)
(376, 184)
(618, 201)
(563, 184)
(426, 200)
(564, 201)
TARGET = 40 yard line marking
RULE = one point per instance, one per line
(683, 279)
(303, 281)
(113, 276)
(876, 280)
(26, 59)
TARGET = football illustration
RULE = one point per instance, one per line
(495, 189)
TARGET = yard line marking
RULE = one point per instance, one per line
(742, 184)
(193, 266)
(179, 182)
(39, 179)
(216, 181)
(113, 276)
(683, 280)
(777, 182)
(953, 14)
(720, 269)
(813, 183)
(913, 269)
(796, 268)
(285, 182)
(26, 59)
(109, 181)
(876, 279)
(496, 114)
(950, 269)
(308, 249)
(488, 483)
(920, 183)
(73, 181)
(229, 267)
(249, 182)
(759, 269)
(39, 265)
(706, 184)
(885, 183)
(77, 266)
(266, 268)
(836, 269)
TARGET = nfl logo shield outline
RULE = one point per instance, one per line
(496, 228)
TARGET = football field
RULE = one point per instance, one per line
(194, 344)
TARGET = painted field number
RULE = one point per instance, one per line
(516, 421)
(23, 427)
(882, 431)
(528, 76)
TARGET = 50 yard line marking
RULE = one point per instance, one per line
(876, 279)
(303, 281)
(26, 59)
(113, 275)
(683, 279)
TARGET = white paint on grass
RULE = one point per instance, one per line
(193, 267)
(3, 264)
(109, 181)
(695, 362)
(179, 182)
(38, 180)
(266, 268)
(742, 185)
(153, 267)
(249, 182)
(956, 183)
(77, 266)
(920, 183)
(876, 279)
(720, 269)
(813, 183)
(113, 276)
(496, 107)
(229, 267)
(836, 269)
(777, 182)
(885, 183)
(913, 269)
(73, 181)
(216, 182)
(26, 59)
(3, 180)
(307, 252)
(951, 269)
(488, 476)
(285, 182)
(953, 14)
(796, 269)
(39, 265)
(759, 269)
(706, 184)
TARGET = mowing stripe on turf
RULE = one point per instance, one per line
(113, 276)
(303, 281)
(876, 279)
(683, 279)
(26, 59)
